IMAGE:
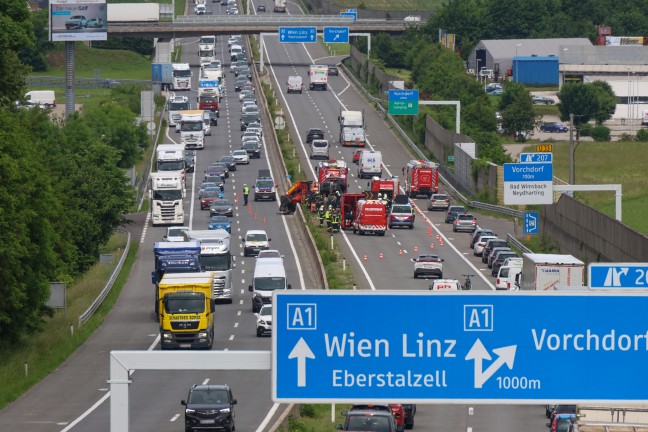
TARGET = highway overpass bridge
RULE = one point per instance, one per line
(197, 25)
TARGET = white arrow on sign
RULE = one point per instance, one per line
(337, 36)
(479, 353)
(301, 352)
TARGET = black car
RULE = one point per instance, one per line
(239, 83)
(478, 233)
(229, 161)
(410, 412)
(221, 207)
(223, 2)
(375, 421)
(313, 134)
(333, 70)
(213, 118)
(253, 150)
(246, 119)
(261, 8)
(190, 161)
(499, 261)
(490, 245)
(209, 407)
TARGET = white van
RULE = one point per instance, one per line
(235, 50)
(41, 98)
(506, 275)
(370, 164)
(269, 275)
(295, 84)
(319, 149)
(207, 123)
(445, 285)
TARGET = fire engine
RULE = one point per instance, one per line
(421, 178)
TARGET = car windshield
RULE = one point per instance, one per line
(191, 127)
(213, 179)
(170, 165)
(207, 40)
(465, 217)
(401, 209)
(209, 99)
(269, 283)
(315, 131)
(320, 143)
(222, 203)
(239, 153)
(211, 193)
(440, 197)
(178, 106)
(457, 209)
(368, 423)
(266, 310)
(184, 305)
(208, 397)
(227, 159)
(215, 262)
(167, 195)
(182, 73)
(176, 232)
(256, 237)
(249, 117)
(265, 184)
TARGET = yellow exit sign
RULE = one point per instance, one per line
(544, 148)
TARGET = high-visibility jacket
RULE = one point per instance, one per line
(246, 190)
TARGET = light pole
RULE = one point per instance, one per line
(515, 68)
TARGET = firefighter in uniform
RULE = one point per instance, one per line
(335, 221)
(321, 214)
(327, 216)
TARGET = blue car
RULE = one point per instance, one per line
(553, 127)
(220, 222)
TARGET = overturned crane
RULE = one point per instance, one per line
(295, 195)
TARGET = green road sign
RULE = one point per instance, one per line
(403, 102)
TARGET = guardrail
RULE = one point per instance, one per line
(517, 244)
(85, 316)
(260, 19)
(52, 81)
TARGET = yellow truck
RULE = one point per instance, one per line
(186, 311)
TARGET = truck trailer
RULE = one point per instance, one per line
(352, 129)
(547, 272)
(318, 75)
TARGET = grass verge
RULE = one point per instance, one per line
(315, 418)
(337, 276)
(388, 5)
(335, 49)
(44, 351)
(91, 63)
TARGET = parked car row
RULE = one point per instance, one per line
(392, 417)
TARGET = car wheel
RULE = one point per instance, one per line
(411, 226)
(415, 275)
(259, 332)
(454, 229)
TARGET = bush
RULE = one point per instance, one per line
(600, 133)
(307, 411)
(585, 130)
(642, 135)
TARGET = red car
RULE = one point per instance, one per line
(399, 415)
(208, 198)
(356, 156)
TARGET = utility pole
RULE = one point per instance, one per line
(572, 174)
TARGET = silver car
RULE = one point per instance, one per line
(439, 202)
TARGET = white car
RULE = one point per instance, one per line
(241, 156)
(200, 9)
(175, 234)
(264, 320)
(428, 265)
(247, 105)
(257, 130)
(480, 243)
(254, 242)
(445, 285)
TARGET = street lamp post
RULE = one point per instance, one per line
(515, 66)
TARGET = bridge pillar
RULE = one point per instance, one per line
(69, 78)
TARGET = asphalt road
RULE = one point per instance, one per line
(74, 397)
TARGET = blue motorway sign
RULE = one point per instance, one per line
(336, 34)
(350, 13)
(531, 225)
(618, 276)
(522, 347)
(536, 157)
(528, 183)
(297, 34)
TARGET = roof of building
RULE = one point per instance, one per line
(506, 48)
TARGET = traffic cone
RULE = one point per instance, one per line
(400, 252)
(249, 209)
(365, 257)
(381, 256)
(264, 219)
(255, 216)
(235, 198)
(429, 231)
(431, 245)
(415, 249)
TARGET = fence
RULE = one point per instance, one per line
(85, 316)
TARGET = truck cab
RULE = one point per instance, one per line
(181, 73)
(174, 106)
(216, 257)
(192, 129)
(167, 193)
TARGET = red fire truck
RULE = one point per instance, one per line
(332, 175)
(421, 178)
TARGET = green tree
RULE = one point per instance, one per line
(592, 101)
(16, 33)
(34, 55)
(516, 106)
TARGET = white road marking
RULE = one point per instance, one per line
(205, 382)
(231, 337)
(174, 418)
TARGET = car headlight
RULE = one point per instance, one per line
(189, 411)
(229, 209)
(202, 334)
(262, 322)
(225, 410)
(167, 335)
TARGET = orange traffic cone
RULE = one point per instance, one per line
(255, 216)
(415, 248)
(381, 256)
(365, 257)
(264, 219)
(400, 252)
(431, 245)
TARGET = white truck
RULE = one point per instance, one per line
(181, 77)
(176, 104)
(192, 129)
(207, 42)
(280, 6)
(216, 257)
(318, 75)
(167, 193)
(547, 272)
(206, 57)
(352, 129)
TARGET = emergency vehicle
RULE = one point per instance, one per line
(421, 178)
(370, 217)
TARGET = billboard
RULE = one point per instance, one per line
(625, 40)
(78, 20)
